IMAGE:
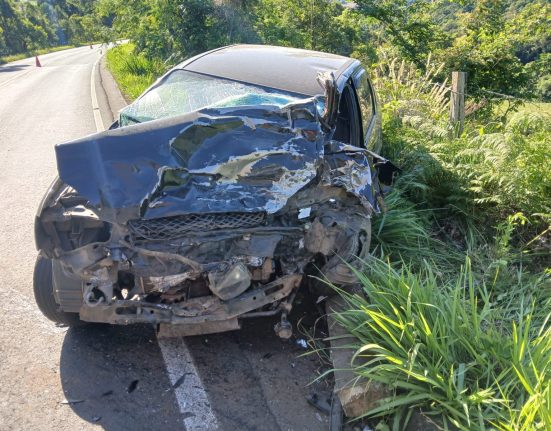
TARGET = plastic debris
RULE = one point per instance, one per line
(70, 402)
(302, 343)
(304, 212)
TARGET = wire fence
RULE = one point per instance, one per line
(493, 96)
(476, 101)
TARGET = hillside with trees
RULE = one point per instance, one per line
(26, 26)
(503, 45)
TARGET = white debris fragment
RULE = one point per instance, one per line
(69, 402)
(304, 212)
(302, 343)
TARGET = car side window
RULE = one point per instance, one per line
(348, 129)
(365, 100)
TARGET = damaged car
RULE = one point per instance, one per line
(240, 177)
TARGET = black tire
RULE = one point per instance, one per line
(44, 295)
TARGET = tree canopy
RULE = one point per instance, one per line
(504, 45)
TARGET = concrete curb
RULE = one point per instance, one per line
(95, 106)
(107, 99)
(117, 99)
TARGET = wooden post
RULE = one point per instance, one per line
(457, 105)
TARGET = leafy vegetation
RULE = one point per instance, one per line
(469, 352)
(497, 166)
(503, 45)
(133, 71)
(27, 27)
(455, 312)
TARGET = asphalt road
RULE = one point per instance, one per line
(115, 378)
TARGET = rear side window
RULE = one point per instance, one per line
(365, 99)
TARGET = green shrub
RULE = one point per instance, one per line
(453, 348)
(133, 72)
(494, 169)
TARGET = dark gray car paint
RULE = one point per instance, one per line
(228, 160)
(255, 159)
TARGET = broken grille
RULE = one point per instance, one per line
(172, 227)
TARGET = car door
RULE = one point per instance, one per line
(370, 116)
(345, 152)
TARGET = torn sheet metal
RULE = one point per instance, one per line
(350, 168)
(214, 160)
(203, 218)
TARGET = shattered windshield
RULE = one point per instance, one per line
(182, 92)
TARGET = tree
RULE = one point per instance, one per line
(409, 25)
(13, 29)
(486, 53)
(30, 25)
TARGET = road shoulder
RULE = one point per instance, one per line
(109, 97)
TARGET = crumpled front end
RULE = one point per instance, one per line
(202, 220)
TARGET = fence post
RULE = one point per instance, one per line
(457, 105)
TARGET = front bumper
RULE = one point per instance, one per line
(194, 312)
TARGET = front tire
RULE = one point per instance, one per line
(44, 295)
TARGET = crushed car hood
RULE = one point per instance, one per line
(246, 159)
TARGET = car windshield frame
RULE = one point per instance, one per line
(133, 115)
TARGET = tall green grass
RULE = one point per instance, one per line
(497, 167)
(451, 347)
(133, 71)
(407, 232)
(454, 315)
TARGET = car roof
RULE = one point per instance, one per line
(288, 69)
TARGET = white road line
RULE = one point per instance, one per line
(191, 397)
(95, 107)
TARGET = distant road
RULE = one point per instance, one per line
(113, 378)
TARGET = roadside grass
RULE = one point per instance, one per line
(133, 71)
(493, 169)
(405, 232)
(454, 315)
(451, 347)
